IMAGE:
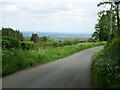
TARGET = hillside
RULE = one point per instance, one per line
(60, 36)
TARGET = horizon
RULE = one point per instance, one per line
(58, 36)
(55, 32)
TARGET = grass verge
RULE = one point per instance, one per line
(106, 66)
(17, 59)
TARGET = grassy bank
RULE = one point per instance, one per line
(17, 59)
(106, 66)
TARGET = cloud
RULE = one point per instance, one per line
(56, 1)
(70, 14)
(52, 9)
(27, 13)
(9, 8)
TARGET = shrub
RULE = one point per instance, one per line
(68, 42)
(44, 39)
(35, 38)
(91, 40)
(12, 33)
(10, 42)
(106, 66)
(27, 45)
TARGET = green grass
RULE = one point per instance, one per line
(17, 59)
(106, 66)
(0, 61)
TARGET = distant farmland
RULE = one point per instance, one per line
(60, 36)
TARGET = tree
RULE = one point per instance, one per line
(34, 38)
(105, 29)
(10, 42)
(12, 33)
(44, 38)
(102, 28)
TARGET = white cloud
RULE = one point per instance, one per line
(56, 1)
(9, 8)
(54, 9)
(36, 12)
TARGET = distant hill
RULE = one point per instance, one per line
(60, 36)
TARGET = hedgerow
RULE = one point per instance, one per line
(106, 66)
(17, 59)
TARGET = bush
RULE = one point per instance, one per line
(35, 38)
(44, 39)
(12, 33)
(91, 40)
(10, 42)
(68, 42)
(106, 66)
(27, 45)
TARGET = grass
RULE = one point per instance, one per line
(106, 66)
(0, 56)
(17, 59)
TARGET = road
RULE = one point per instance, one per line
(71, 72)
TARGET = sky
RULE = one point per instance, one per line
(71, 16)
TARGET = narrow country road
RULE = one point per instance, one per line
(71, 72)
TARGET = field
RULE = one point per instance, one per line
(60, 36)
(17, 59)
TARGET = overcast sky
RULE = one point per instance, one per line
(78, 16)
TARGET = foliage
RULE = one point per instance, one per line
(106, 66)
(26, 38)
(53, 43)
(10, 42)
(27, 45)
(106, 63)
(14, 60)
(92, 40)
(106, 26)
(44, 39)
(35, 38)
(12, 33)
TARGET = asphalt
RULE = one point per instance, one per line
(71, 72)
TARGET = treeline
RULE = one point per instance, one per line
(19, 36)
(15, 39)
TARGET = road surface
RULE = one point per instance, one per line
(71, 72)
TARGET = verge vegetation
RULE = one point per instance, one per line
(21, 54)
(106, 66)
(106, 63)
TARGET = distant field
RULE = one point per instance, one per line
(60, 36)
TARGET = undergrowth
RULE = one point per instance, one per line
(106, 66)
